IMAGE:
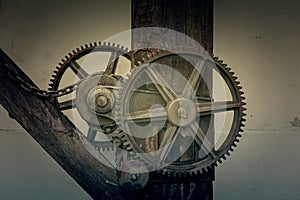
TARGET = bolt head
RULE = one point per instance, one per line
(101, 101)
(182, 113)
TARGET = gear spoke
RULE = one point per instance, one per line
(161, 84)
(91, 134)
(194, 80)
(66, 105)
(215, 107)
(112, 63)
(155, 114)
(167, 141)
(78, 70)
(202, 140)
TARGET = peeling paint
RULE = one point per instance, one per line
(296, 122)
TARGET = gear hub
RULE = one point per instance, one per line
(181, 112)
(100, 100)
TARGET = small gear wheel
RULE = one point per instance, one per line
(174, 118)
(95, 66)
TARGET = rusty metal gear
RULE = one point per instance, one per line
(178, 113)
(102, 95)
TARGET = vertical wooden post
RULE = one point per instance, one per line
(193, 18)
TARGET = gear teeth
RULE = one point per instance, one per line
(149, 55)
(234, 78)
(191, 173)
(204, 170)
(234, 145)
(169, 173)
(222, 155)
(185, 174)
(129, 148)
(126, 143)
(54, 73)
(61, 68)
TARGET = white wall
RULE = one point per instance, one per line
(260, 40)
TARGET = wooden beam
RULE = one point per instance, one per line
(55, 133)
(193, 18)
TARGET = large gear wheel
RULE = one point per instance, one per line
(94, 97)
(172, 126)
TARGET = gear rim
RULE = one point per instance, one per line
(234, 134)
(77, 54)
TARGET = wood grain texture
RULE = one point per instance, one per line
(55, 133)
(193, 18)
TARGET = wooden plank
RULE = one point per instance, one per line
(193, 18)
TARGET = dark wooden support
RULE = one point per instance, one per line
(55, 133)
(193, 18)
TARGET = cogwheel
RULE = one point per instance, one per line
(168, 113)
(70, 60)
(73, 65)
